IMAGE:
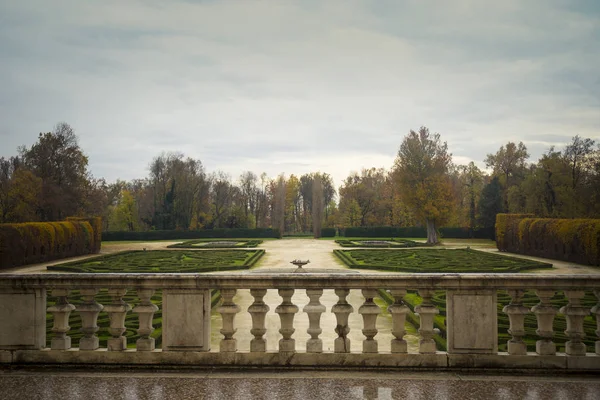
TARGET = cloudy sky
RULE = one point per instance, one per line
(296, 86)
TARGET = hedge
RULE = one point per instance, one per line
(417, 232)
(574, 240)
(36, 242)
(328, 232)
(237, 233)
(96, 223)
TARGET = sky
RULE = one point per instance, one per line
(296, 86)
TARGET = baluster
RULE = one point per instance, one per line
(398, 310)
(286, 311)
(258, 310)
(516, 312)
(314, 309)
(369, 311)
(544, 312)
(596, 312)
(89, 310)
(342, 310)
(228, 309)
(60, 313)
(426, 311)
(145, 311)
(117, 311)
(575, 313)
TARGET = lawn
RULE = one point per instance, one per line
(165, 261)
(216, 244)
(435, 260)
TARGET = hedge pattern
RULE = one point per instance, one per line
(36, 242)
(237, 233)
(417, 232)
(216, 244)
(393, 243)
(575, 240)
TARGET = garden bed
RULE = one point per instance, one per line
(216, 244)
(372, 243)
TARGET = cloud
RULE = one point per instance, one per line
(288, 86)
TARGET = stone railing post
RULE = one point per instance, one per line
(117, 311)
(516, 312)
(228, 309)
(258, 310)
(145, 310)
(186, 319)
(545, 312)
(596, 312)
(398, 311)
(286, 311)
(89, 310)
(426, 311)
(342, 310)
(575, 313)
(314, 309)
(61, 310)
(369, 311)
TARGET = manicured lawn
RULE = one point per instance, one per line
(216, 244)
(435, 260)
(160, 261)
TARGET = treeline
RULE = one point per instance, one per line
(50, 181)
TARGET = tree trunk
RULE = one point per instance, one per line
(432, 237)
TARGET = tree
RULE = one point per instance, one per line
(421, 168)
(318, 206)
(472, 181)
(490, 203)
(61, 164)
(509, 162)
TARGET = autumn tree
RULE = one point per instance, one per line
(509, 163)
(58, 160)
(421, 168)
(318, 204)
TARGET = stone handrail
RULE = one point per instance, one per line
(471, 318)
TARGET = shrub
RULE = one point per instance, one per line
(35, 242)
(237, 233)
(328, 232)
(507, 231)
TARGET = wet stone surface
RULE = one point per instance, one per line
(299, 385)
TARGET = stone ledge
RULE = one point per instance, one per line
(440, 360)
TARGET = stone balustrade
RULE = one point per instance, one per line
(471, 319)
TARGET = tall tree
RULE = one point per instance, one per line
(490, 203)
(318, 204)
(58, 160)
(422, 168)
(509, 163)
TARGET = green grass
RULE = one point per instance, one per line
(216, 244)
(436, 261)
(379, 243)
(164, 261)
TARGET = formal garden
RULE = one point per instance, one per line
(396, 243)
(216, 244)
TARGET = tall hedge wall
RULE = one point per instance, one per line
(417, 232)
(575, 240)
(35, 242)
(237, 233)
(96, 223)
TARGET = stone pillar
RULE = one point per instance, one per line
(228, 309)
(575, 313)
(258, 310)
(369, 311)
(596, 312)
(89, 310)
(314, 309)
(117, 311)
(286, 311)
(22, 318)
(516, 312)
(186, 320)
(545, 312)
(398, 311)
(145, 311)
(426, 310)
(342, 310)
(61, 310)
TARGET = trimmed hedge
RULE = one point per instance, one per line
(575, 240)
(418, 232)
(96, 223)
(328, 232)
(237, 233)
(36, 242)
